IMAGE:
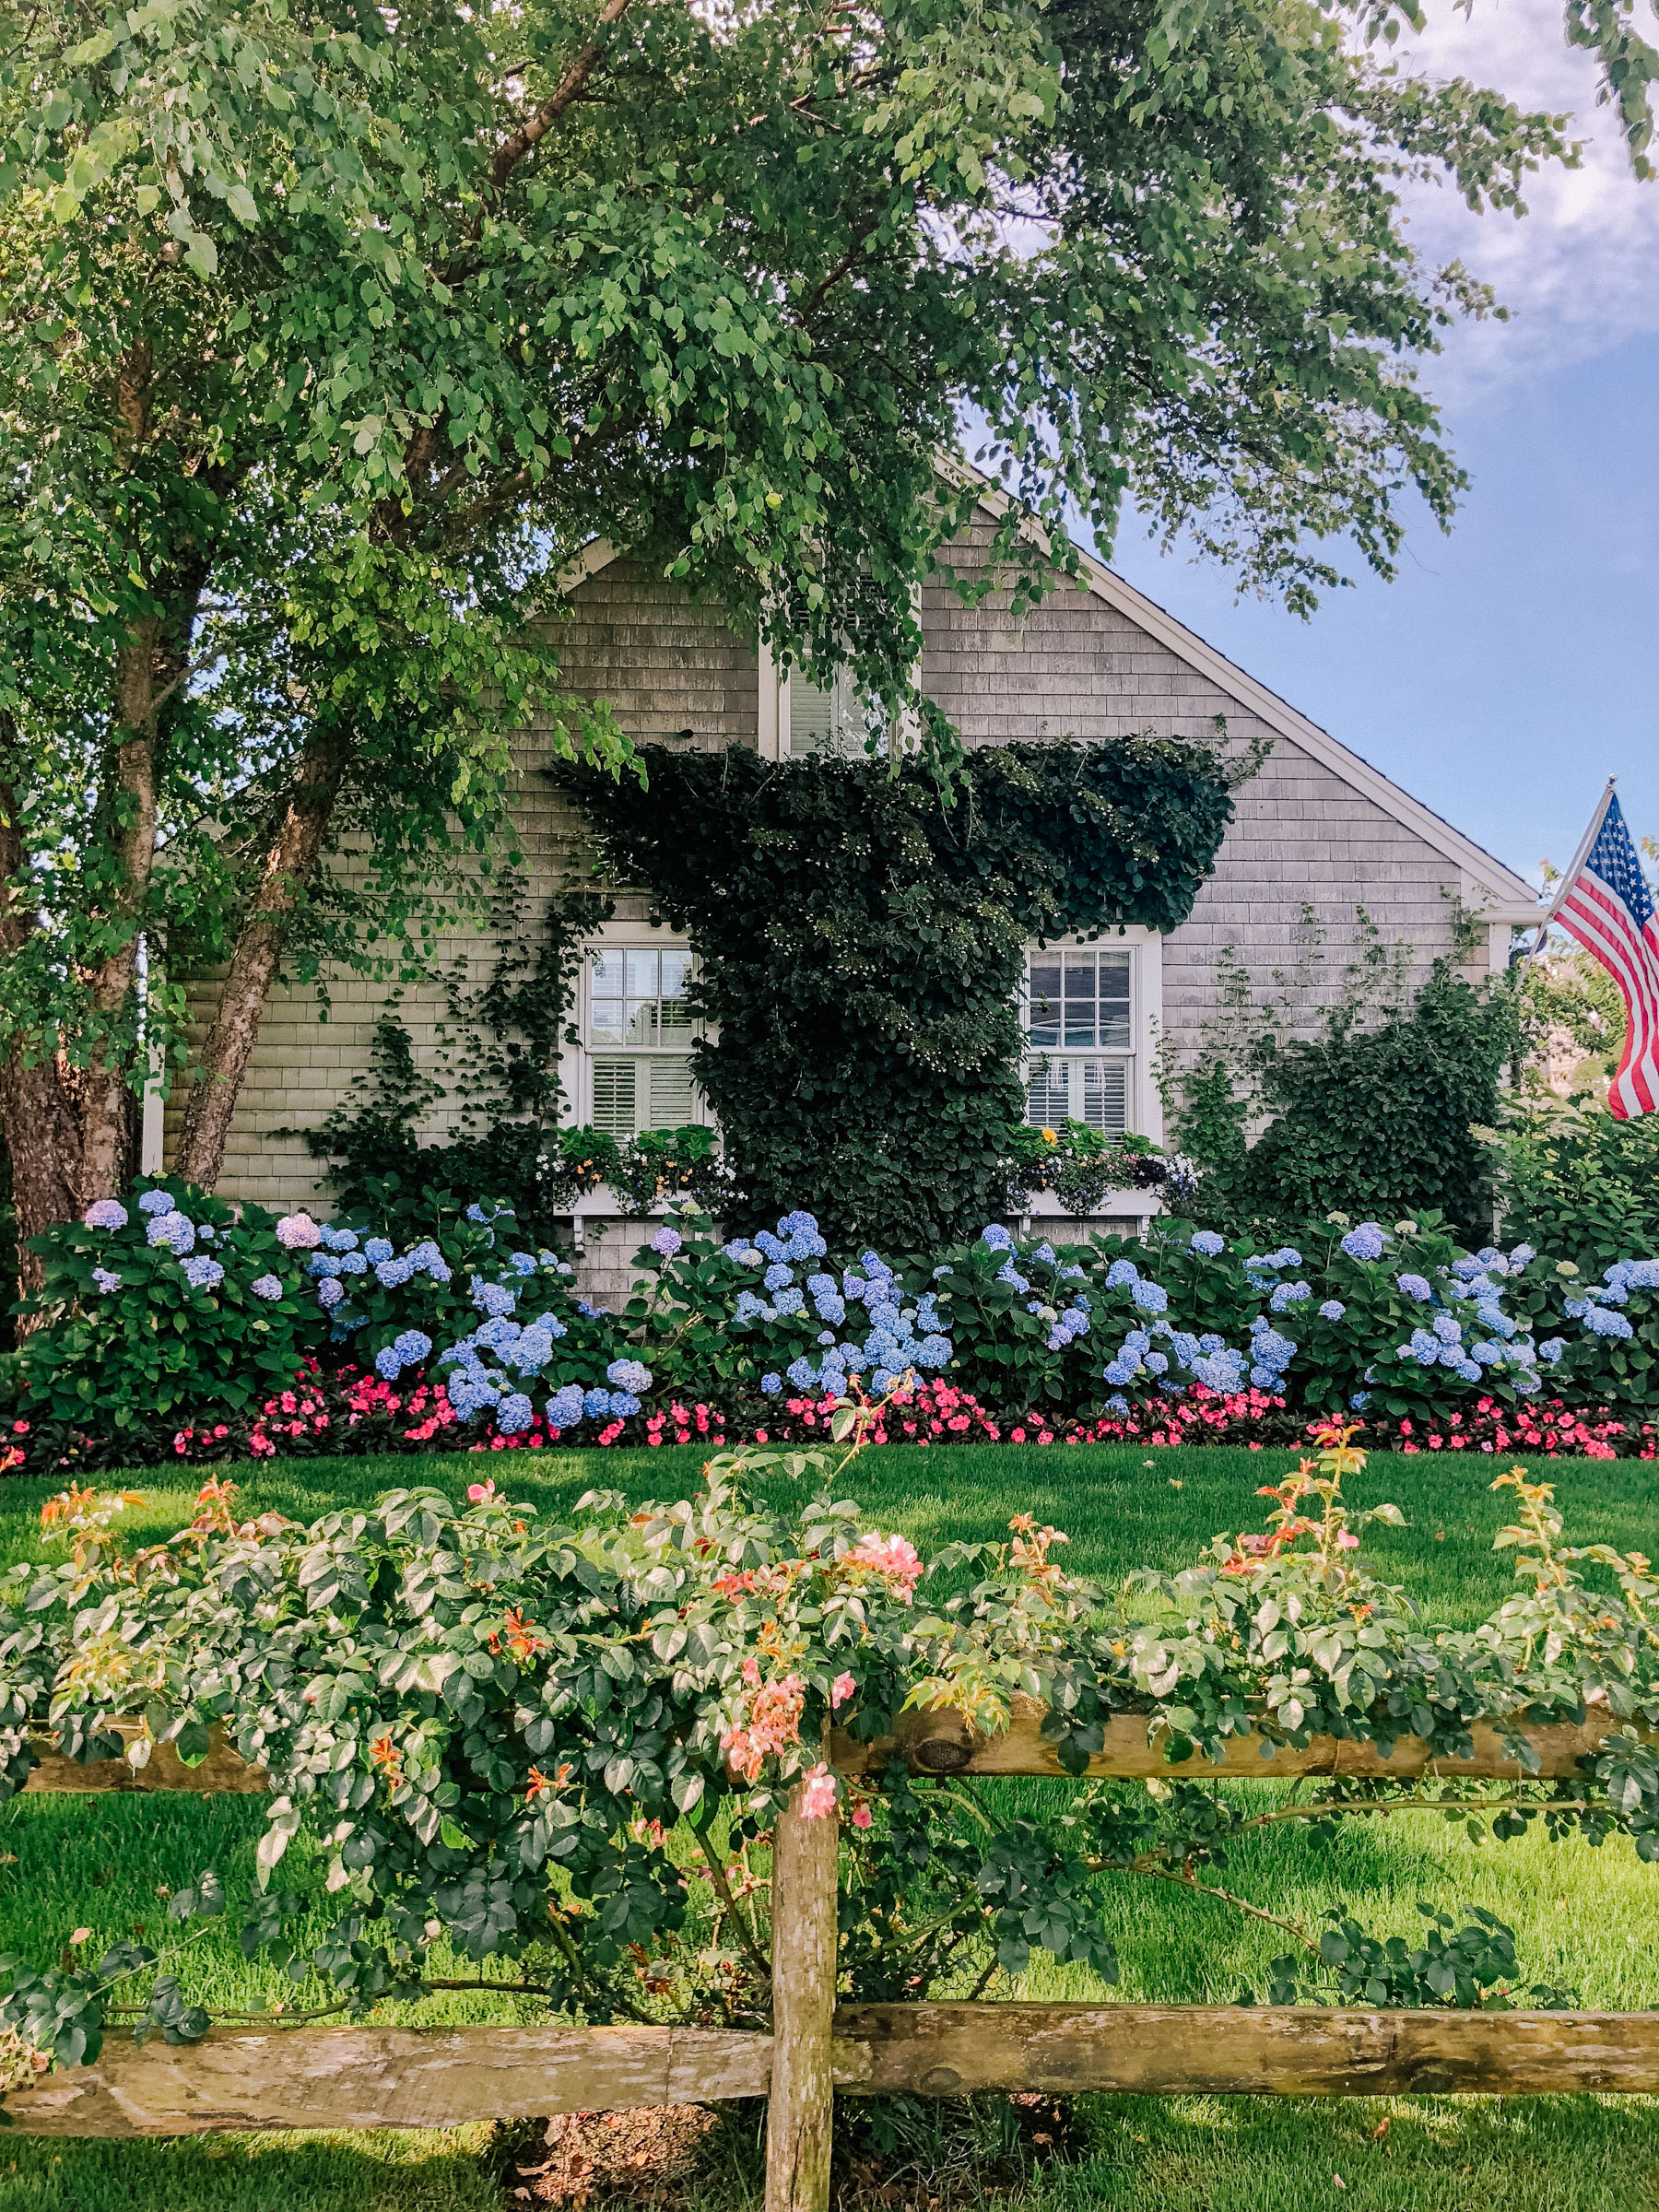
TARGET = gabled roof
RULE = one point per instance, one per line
(1509, 897)
(1506, 891)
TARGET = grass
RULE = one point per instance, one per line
(1588, 1918)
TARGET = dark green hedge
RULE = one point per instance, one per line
(860, 939)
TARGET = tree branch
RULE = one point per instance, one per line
(529, 135)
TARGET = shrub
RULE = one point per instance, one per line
(860, 946)
(170, 1301)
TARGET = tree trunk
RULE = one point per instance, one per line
(289, 862)
(42, 1134)
(107, 1087)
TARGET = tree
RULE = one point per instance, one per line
(328, 336)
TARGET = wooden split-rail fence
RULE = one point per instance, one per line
(374, 2076)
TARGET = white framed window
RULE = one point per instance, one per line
(836, 717)
(1090, 1013)
(637, 1031)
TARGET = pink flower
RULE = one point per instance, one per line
(298, 1232)
(1347, 1540)
(861, 1815)
(480, 1493)
(893, 1557)
(840, 1689)
(817, 1795)
(751, 1671)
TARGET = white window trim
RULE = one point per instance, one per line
(576, 1062)
(1142, 1106)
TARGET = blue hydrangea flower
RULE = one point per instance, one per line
(789, 1300)
(1467, 1369)
(1332, 1310)
(353, 1262)
(596, 1404)
(522, 1263)
(803, 1374)
(377, 1251)
(628, 1374)
(769, 1245)
(394, 1273)
(997, 1237)
(338, 1240)
(155, 1202)
(1121, 1272)
(667, 1241)
(1117, 1403)
(777, 1275)
(1520, 1256)
(1286, 1295)
(107, 1213)
(564, 1407)
(1007, 1273)
(1045, 1252)
(1286, 1256)
(414, 1344)
(1600, 1322)
(174, 1229)
(1414, 1286)
(107, 1281)
(1150, 1298)
(1359, 1401)
(1222, 1371)
(933, 1352)
(1551, 1348)
(388, 1362)
(494, 1299)
(771, 1384)
(1208, 1242)
(330, 1291)
(517, 1412)
(203, 1274)
(1365, 1242)
(1523, 1384)
(623, 1403)
(1447, 1328)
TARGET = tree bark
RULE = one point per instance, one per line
(290, 859)
(42, 1134)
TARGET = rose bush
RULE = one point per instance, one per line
(533, 1743)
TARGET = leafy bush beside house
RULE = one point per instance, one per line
(1373, 1108)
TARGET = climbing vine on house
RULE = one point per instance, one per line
(860, 945)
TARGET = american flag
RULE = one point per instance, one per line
(1607, 907)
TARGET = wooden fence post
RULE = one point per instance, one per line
(798, 2118)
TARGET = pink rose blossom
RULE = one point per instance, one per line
(893, 1557)
(861, 1815)
(840, 1689)
(817, 1793)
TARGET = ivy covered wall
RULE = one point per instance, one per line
(860, 943)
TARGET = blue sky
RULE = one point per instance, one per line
(1514, 666)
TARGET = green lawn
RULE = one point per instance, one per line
(1591, 1918)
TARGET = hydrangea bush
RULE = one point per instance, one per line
(168, 1302)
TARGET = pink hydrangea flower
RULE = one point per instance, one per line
(817, 1793)
(298, 1232)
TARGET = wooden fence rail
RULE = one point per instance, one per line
(372, 2077)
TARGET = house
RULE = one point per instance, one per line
(1316, 825)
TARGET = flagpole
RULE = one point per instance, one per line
(1568, 876)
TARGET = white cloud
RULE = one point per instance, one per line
(1580, 272)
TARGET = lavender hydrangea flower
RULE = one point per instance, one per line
(1365, 1242)
(106, 1281)
(667, 1241)
(174, 1229)
(267, 1286)
(1414, 1286)
(203, 1274)
(105, 1213)
(631, 1375)
(1205, 1242)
